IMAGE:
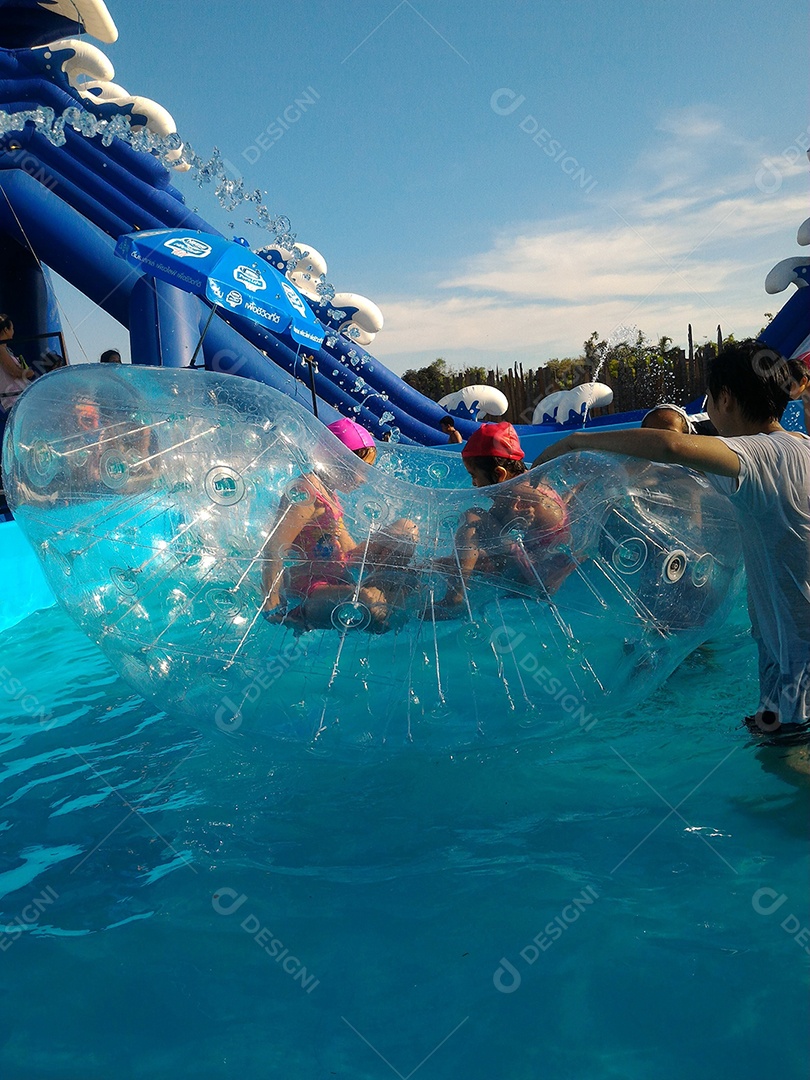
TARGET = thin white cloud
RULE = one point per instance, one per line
(690, 238)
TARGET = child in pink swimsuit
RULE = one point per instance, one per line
(310, 534)
(515, 539)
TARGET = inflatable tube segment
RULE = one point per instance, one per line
(80, 58)
(793, 271)
(571, 406)
(161, 502)
(475, 402)
(26, 23)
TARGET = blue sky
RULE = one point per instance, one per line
(501, 179)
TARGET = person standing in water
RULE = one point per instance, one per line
(764, 471)
(451, 431)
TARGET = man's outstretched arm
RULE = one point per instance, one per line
(705, 453)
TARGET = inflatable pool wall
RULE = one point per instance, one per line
(148, 495)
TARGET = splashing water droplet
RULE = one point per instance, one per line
(172, 151)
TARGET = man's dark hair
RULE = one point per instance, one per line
(445, 420)
(107, 356)
(5, 323)
(758, 378)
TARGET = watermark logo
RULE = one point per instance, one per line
(507, 976)
(278, 128)
(28, 917)
(767, 902)
(228, 715)
(227, 902)
(506, 102)
(773, 367)
(188, 247)
(29, 703)
(507, 641)
(19, 157)
(771, 172)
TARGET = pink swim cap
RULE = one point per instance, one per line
(351, 434)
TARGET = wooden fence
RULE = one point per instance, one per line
(678, 378)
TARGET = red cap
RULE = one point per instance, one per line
(494, 440)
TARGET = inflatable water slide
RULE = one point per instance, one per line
(84, 162)
(74, 178)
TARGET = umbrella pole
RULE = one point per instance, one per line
(202, 336)
(310, 360)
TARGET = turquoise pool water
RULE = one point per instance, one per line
(179, 904)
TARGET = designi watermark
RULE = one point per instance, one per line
(29, 703)
(228, 715)
(280, 125)
(507, 977)
(28, 917)
(771, 172)
(766, 901)
(228, 901)
(505, 640)
(505, 102)
(20, 158)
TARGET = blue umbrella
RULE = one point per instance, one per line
(228, 274)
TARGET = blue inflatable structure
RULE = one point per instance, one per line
(78, 171)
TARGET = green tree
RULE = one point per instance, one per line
(562, 374)
(437, 379)
(429, 380)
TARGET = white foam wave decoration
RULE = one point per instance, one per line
(546, 410)
(364, 321)
(803, 235)
(90, 72)
(158, 119)
(92, 14)
(365, 318)
(565, 405)
(354, 333)
(581, 399)
(478, 400)
(309, 266)
(785, 273)
(99, 91)
(86, 60)
(152, 498)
